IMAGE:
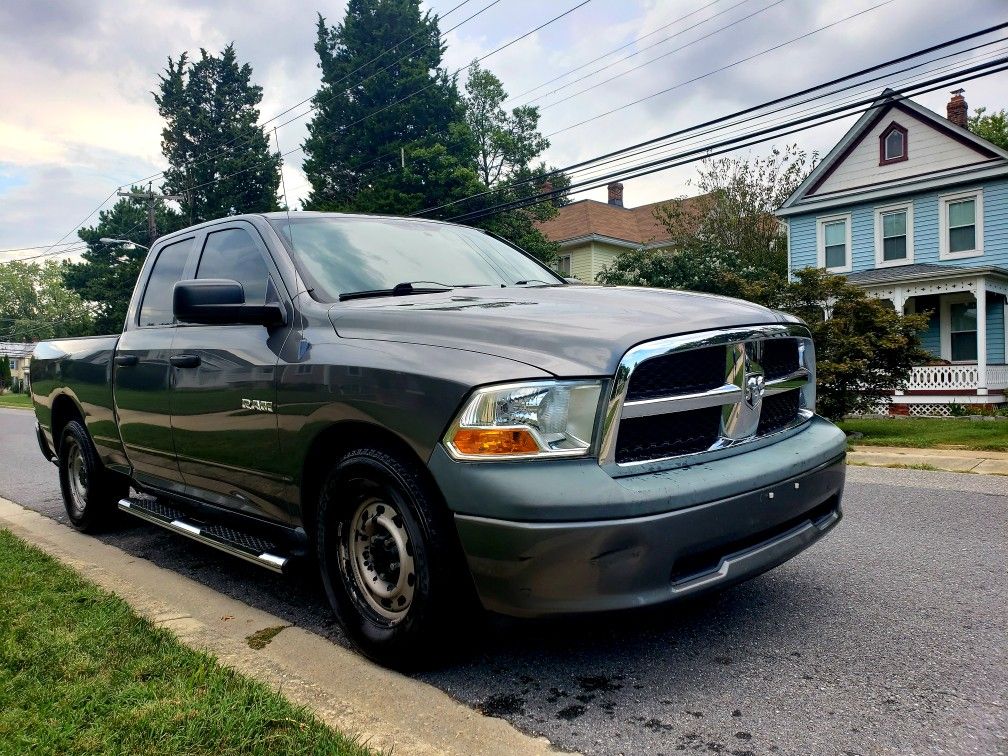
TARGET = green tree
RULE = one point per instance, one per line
(219, 158)
(5, 373)
(991, 126)
(108, 272)
(373, 111)
(35, 305)
(507, 146)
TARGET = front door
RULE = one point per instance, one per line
(142, 374)
(225, 426)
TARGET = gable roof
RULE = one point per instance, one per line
(984, 156)
(586, 218)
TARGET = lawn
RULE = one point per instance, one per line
(15, 400)
(81, 673)
(930, 433)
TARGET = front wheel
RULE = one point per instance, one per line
(386, 552)
(90, 492)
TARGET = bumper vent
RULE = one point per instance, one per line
(709, 391)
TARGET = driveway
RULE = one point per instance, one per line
(890, 636)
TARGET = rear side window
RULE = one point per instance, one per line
(156, 308)
(234, 254)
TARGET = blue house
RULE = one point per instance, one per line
(914, 208)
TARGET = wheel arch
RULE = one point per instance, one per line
(64, 409)
(338, 438)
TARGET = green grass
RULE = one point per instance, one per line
(81, 673)
(15, 400)
(930, 433)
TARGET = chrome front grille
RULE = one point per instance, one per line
(706, 392)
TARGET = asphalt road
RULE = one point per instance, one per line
(890, 636)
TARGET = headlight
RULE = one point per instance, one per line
(535, 419)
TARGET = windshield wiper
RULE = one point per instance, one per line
(526, 282)
(399, 290)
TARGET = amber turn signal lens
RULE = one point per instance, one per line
(491, 441)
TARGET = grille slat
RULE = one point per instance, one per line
(679, 373)
(740, 359)
(657, 436)
(780, 358)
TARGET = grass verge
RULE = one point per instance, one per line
(81, 673)
(16, 400)
(930, 433)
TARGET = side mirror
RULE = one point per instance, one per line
(219, 301)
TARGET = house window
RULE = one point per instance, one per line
(961, 225)
(564, 266)
(834, 241)
(893, 144)
(963, 331)
(893, 235)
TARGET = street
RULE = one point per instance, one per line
(889, 636)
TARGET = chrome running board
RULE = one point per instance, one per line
(234, 542)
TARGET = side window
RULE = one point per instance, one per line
(156, 307)
(234, 254)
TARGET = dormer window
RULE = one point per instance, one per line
(892, 144)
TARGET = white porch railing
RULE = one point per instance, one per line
(955, 377)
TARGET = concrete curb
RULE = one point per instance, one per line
(388, 711)
(952, 460)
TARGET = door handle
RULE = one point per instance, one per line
(184, 360)
(126, 360)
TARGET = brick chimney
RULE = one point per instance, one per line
(547, 187)
(615, 194)
(956, 108)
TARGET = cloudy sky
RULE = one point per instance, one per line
(77, 118)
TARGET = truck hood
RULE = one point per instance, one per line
(565, 330)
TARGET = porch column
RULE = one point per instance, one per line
(981, 301)
(899, 300)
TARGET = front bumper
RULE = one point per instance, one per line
(534, 568)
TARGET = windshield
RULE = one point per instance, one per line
(343, 255)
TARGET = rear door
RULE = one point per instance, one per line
(142, 373)
(225, 426)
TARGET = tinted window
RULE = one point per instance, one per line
(348, 254)
(233, 254)
(156, 308)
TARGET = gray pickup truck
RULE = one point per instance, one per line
(431, 416)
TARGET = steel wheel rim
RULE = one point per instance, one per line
(380, 558)
(77, 478)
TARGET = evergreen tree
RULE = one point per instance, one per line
(108, 272)
(374, 111)
(220, 158)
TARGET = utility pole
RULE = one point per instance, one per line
(151, 197)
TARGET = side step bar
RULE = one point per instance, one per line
(235, 542)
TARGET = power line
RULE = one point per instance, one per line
(621, 47)
(719, 70)
(742, 141)
(713, 33)
(730, 116)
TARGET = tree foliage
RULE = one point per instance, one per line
(991, 126)
(35, 305)
(108, 272)
(373, 111)
(508, 144)
(219, 157)
(729, 243)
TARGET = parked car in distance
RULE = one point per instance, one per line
(430, 414)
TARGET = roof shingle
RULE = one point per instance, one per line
(586, 217)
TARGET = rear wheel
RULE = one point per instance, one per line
(387, 555)
(90, 492)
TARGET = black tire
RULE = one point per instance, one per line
(90, 492)
(389, 559)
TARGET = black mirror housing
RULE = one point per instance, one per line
(220, 301)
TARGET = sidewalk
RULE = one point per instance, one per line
(390, 712)
(953, 460)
